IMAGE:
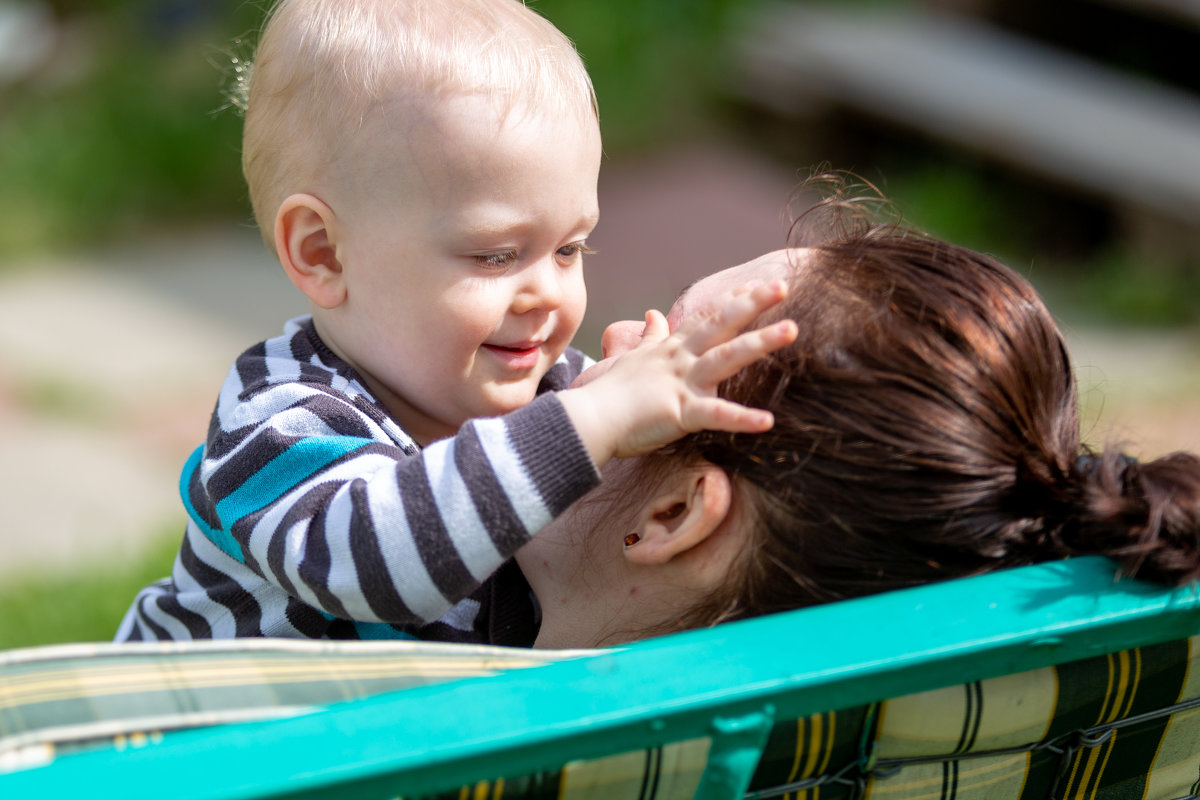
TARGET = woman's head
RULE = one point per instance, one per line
(925, 428)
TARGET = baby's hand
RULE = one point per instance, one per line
(666, 387)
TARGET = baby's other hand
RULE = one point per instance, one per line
(666, 386)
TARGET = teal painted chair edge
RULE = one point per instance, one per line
(732, 678)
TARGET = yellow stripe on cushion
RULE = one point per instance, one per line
(1176, 766)
(677, 768)
(97, 681)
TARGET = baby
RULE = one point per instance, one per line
(426, 172)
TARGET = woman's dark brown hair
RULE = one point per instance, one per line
(926, 428)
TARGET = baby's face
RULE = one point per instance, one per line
(461, 232)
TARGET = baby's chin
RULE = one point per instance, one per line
(508, 398)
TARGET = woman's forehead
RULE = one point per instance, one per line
(701, 294)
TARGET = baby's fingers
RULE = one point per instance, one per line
(740, 308)
(726, 360)
(656, 327)
(715, 414)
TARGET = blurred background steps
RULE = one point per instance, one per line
(968, 83)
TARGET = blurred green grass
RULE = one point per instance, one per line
(128, 129)
(83, 602)
(119, 132)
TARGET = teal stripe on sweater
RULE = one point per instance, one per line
(279, 476)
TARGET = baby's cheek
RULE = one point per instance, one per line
(575, 304)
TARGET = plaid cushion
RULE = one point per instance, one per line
(1125, 725)
(62, 699)
(1114, 727)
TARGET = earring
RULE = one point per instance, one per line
(631, 539)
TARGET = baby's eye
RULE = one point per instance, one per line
(497, 260)
(574, 249)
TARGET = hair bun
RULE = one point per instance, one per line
(1089, 462)
(1144, 515)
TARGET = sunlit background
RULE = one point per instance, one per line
(1062, 136)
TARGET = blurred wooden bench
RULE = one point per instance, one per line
(1129, 140)
(1185, 11)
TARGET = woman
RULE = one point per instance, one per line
(925, 428)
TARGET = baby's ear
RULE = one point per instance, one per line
(688, 509)
(307, 250)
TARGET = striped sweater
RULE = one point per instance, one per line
(313, 514)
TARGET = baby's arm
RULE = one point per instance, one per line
(401, 539)
(666, 387)
(306, 506)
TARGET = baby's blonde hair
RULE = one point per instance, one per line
(322, 65)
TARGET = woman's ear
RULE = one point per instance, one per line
(307, 249)
(682, 515)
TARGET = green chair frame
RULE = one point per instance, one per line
(731, 683)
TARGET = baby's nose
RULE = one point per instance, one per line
(621, 337)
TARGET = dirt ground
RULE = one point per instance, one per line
(109, 364)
